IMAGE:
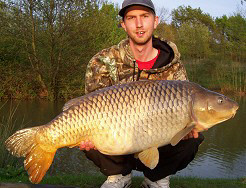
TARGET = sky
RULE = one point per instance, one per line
(216, 8)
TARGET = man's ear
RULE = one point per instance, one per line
(123, 25)
(156, 22)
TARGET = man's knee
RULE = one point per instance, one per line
(190, 146)
(195, 142)
(200, 138)
(190, 149)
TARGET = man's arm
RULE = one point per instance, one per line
(97, 73)
(97, 76)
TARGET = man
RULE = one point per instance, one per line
(140, 56)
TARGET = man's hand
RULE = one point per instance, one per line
(192, 134)
(86, 145)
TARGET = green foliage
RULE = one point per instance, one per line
(166, 31)
(194, 40)
(16, 81)
(224, 76)
(9, 172)
(8, 127)
(216, 46)
(236, 35)
(53, 41)
(45, 45)
(184, 14)
(232, 37)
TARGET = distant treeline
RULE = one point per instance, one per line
(45, 45)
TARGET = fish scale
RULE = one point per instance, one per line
(136, 117)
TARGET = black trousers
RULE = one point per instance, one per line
(171, 160)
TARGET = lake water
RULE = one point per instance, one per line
(222, 155)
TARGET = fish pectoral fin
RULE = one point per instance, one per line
(181, 134)
(149, 157)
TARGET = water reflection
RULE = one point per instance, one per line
(222, 155)
(32, 112)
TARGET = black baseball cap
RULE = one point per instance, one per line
(128, 3)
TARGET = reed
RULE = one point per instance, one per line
(8, 126)
(223, 76)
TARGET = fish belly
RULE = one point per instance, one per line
(139, 129)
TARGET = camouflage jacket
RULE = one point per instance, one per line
(116, 65)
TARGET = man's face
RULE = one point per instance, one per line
(139, 23)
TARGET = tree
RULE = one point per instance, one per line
(221, 44)
(232, 36)
(193, 40)
(194, 16)
(163, 14)
(58, 39)
(166, 31)
(235, 34)
(45, 27)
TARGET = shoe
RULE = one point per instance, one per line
(162, 183)
(118, 181)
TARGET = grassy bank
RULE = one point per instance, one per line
(93, 181)
(7, 127)
(213, 73)
(222, 76)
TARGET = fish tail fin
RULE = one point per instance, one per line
(37, 163)
(23, 143)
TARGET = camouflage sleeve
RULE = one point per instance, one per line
(181, 73)
(97, 75)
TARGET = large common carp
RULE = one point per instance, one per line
(136, 117)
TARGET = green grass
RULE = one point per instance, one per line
(8, 126)
(93, 181)
(225, 77)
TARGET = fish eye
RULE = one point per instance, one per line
(220, 100)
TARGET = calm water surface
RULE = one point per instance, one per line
(222, 155)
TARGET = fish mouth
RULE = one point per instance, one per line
(233, 115)
(236, 107)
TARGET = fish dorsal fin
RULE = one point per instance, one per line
(71, 103)
(149, 157)
(181, 134)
